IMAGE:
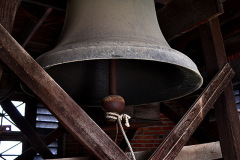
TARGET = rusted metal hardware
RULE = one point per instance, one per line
(113, 103)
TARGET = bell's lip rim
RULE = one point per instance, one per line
(128, 45)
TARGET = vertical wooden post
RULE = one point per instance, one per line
(225, 107)
(30, 116)
(8, 9)
(31, 112)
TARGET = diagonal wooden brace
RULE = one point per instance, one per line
(57, 101)
(175, 141)
(34, 139)
(51, 137)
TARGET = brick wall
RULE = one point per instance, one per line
(149, 138)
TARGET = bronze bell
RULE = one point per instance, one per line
(95, 31)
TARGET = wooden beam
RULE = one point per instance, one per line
(143, 115)
(213, 46)
(225, 107)
(133, 125)
(55, 4)
(12, 136)
(144, 112)
(31, 111)
(26, 129)
(201, 134)
(171, 24)
(204, 151)
(51, 137)
(130, 134)
(180, 16)
(30, 116)
(232, 8)
(8, 9)
(162, 1)
(57, 101)
(32, 31)
(188, 124)
(193, 152)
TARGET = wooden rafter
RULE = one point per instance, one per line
(32, 31)
(175, 141)
(225, 108)
(191, 13)
(8, 11)
(61, 105)
(12, 136)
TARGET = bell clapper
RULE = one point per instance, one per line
(114, 104)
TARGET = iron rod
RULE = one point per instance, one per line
(113, 77)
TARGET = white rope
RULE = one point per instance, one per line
(119, 118)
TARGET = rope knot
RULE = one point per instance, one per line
(115, 116)
(119, 118)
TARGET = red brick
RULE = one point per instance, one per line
(133, 141)
(156, 145)
(142, 149)
(162, 132)
(167, 128)
(149, 133)
(154, 128)
(148, 145)
(137, 145)
(142, 141)
(159, 141)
